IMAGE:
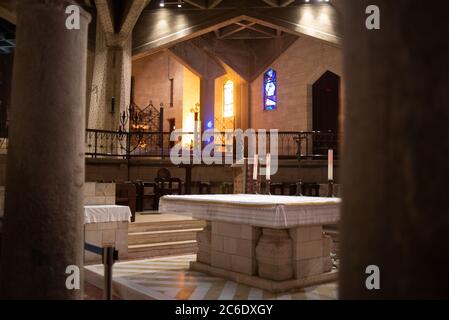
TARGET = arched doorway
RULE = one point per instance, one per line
(325, 111)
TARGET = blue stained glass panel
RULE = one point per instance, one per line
(270, 90)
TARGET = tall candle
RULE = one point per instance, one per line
(255, 164)
(268, 167)
(330, 164)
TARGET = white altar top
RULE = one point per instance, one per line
(269, 211)
(106, 213)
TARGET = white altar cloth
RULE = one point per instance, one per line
(269, 211)
(106, 213)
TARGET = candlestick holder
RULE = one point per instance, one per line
(256, 186)
(299, 188)
(268, 187)
(330, 192)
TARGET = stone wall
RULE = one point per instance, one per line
(107, 233)
(99, 193)
(152, 76)
(298, 68)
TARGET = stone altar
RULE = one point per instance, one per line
(272, 242)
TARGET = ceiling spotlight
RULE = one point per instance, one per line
(162, 4)
(180, 4)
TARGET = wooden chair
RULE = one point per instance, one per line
(165, 187)
(311, 189)
(125, 195)
(205, 188)
(277, 188)
(139, 193)
(227, 188)
(308, 189)
(149, 194)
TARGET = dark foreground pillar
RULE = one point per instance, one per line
(396, 166)
(45, 172)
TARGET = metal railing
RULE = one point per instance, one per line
(107, 144)
(113, 144)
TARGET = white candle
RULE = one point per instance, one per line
(255, 164)
(330, 164)
(268, 167)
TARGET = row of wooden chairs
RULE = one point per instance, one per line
(141, 196)
(310, 189)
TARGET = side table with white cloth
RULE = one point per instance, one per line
(106, 225)
(272, 242)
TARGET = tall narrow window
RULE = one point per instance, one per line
(270, 90)
(228, 103)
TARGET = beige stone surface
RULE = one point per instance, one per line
(306, 233)
(106, 234)
(203, 257)
(245, 265)
(308, 250)
(274, 253)
(327, 243)
(221, 260)
(275, 272)
(309, 267)
(217, 243)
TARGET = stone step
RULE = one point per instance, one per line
(166, 225)
(141, 251)
(150, 237)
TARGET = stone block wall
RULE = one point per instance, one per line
(106, 234)
(232, 245)
(311, 254)
(298, 68)
(99, 193)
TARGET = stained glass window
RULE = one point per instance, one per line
(228, 103)
(270, 90)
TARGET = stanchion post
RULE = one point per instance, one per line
(108, 262)
(330, 192)
(268, 187)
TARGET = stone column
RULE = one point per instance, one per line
(111, 80)
(395, 169)
(43, 231)
(207, 97)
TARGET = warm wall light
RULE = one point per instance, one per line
(163, 3)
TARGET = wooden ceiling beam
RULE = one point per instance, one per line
(273, 3)
(238, 29)
(213, 3)
(285, 3)
(251, 26)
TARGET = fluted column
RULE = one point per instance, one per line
(43, 230)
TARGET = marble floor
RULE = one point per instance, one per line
(170, 278)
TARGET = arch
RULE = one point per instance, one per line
(326, 105)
